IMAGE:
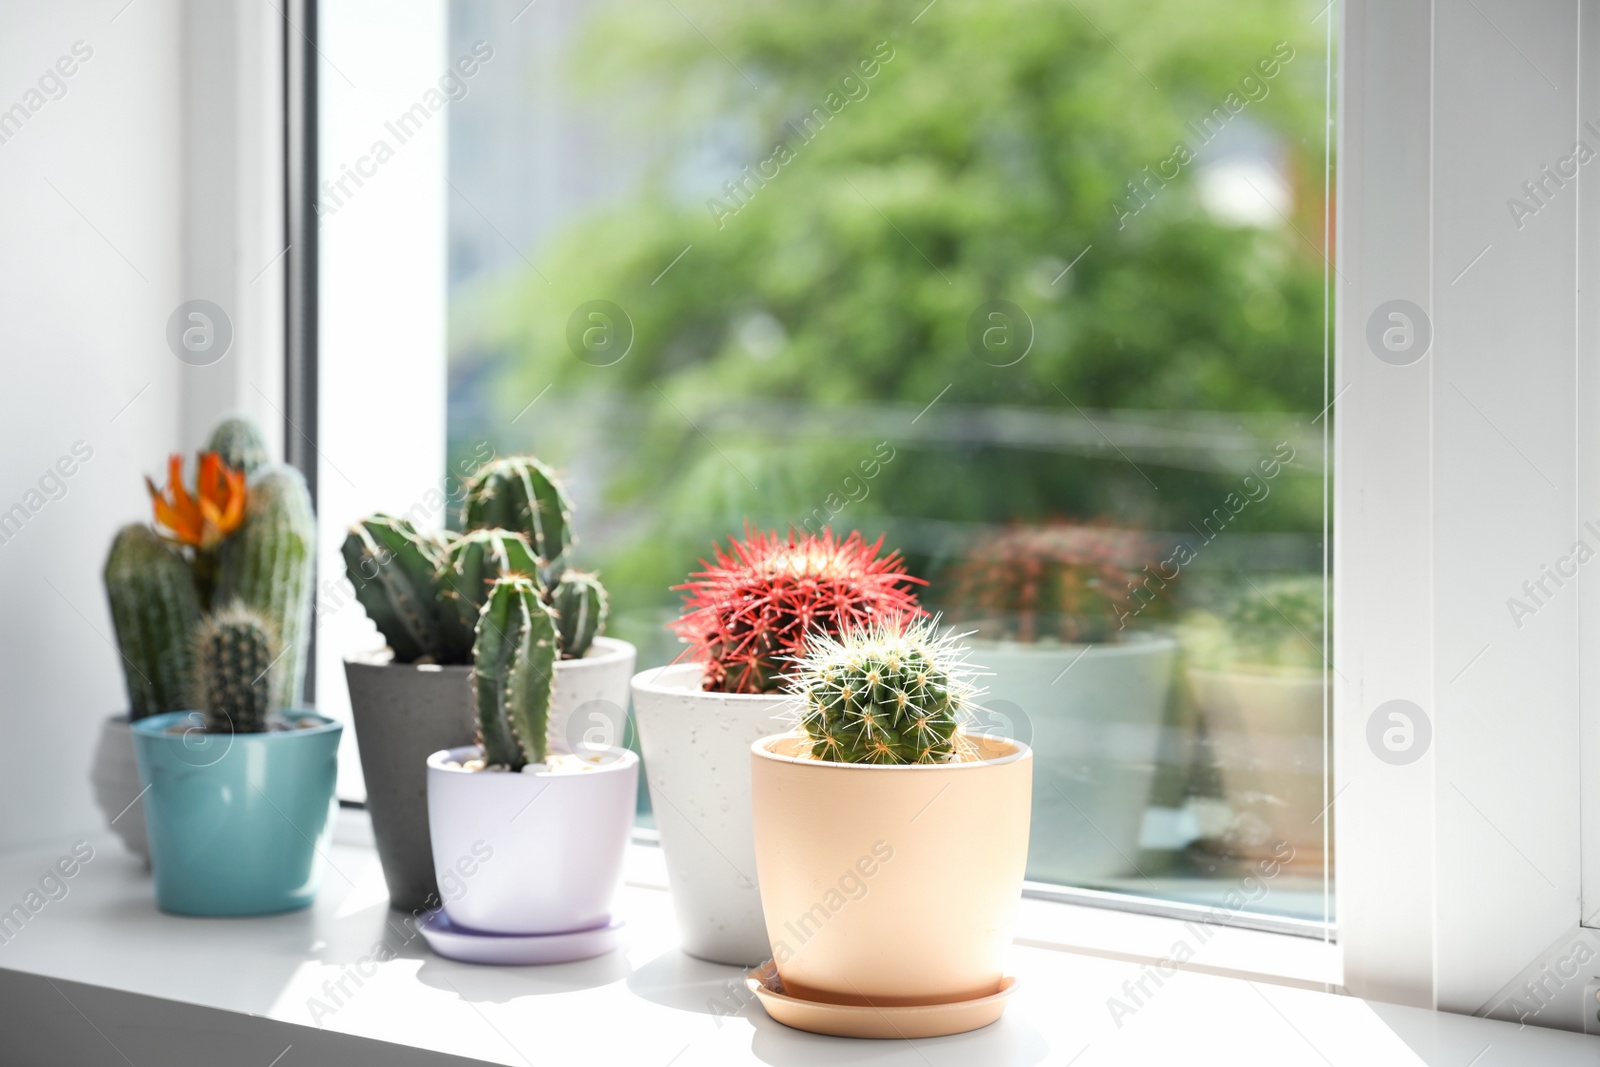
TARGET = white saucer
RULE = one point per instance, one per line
(475, 946)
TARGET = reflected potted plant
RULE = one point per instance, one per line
(243, 535)
(746, 616)
(555, 817)
(1062, 615)
(890, 842)
(1257, 675)
(425, 592)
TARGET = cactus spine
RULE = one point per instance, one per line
(475, 561)
(233, 653)
(522, 494)
(513, 673)
(154, 609)
(580, 605)
(237, 439)
(884, 695)
(267, 565)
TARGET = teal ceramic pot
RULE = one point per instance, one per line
(239, 823)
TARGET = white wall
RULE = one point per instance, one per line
(153, 178)
(89, 272)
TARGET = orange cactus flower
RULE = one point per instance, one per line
(215, 510)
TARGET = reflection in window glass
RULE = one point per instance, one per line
(1035, 290)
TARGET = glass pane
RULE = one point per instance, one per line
(1035, 291)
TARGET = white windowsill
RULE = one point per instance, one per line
(650, 1004)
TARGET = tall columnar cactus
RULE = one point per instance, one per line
(522, 494)
(233, 652)
(748, 615)
(267, 565)
(238, 440)
(581, 605)
(513, 673)
(885, 694)
(396, 573)
(474, 562)
(154, 609)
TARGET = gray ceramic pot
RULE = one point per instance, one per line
(403, 714)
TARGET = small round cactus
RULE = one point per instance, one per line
(748, 615)
(233, 651)
(580, 604)
(885, 694)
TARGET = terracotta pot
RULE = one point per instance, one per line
(890, 886)
(696, 749)
(535, 852)
(1266, 733)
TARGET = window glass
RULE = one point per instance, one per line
(1036, 291)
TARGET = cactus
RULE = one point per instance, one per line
(748, 615)
(233, 651)
(238, 440)
(474, 562)
(395, 571)
(513, 673)
(885, 694)
(1060, 581)
(154, 609)
(580, 604)
(522, 494)
(267, 565)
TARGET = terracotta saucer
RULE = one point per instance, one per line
(475, 946)
(851, 1020)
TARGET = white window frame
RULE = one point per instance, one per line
(1458, 874)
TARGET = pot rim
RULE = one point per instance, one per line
(611, 650)
(436, 762)
(154, 727)
(647, 681)
(1020, 751)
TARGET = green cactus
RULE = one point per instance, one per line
(233, 652)
(513, 673)
(154, 609)
(520, 493)
(884, 695)
(396, 574)
(238, 440)
(474, 562)
(267, 565)
(580, 604)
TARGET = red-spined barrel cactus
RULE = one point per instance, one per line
(885, 694)
(747, 616)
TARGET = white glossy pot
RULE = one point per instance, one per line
(697, 762)
(530, 853)
(115, 778)
(590, 700)
(1093, 715)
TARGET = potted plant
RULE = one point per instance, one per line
(424, 592)
(1258, 678)
(243, 535)
(746, 616)
(241, 797)
(1062, 613)
(890, 843)
(545, 824)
